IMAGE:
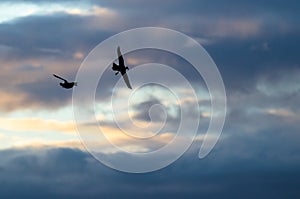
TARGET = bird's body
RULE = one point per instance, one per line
(68, 85)
(121, 68)
(65, 84)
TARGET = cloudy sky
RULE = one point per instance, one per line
(255, 46)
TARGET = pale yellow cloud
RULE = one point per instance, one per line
(92, 11)
(2, 136)
(89, 133)
(39, 143)
(280, 112)
(134, 61)
(9, 102)
(78, 55)
(108, 137)
(127, 138)
(101, 11)
(36, 125)
(241, 28)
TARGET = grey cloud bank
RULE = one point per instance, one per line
(226, 173)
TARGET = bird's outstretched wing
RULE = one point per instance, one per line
(121, 59)
(126, 79)
(59, 77)
(115, 67)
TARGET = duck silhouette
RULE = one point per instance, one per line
(65, 84)
(121, 68)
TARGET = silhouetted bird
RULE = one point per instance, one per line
(121, 68)
(66, 84)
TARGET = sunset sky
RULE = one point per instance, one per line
(255, 45)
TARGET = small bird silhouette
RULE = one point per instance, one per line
(66, 84)
(121, 68)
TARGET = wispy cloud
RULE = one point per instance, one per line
(37, 124)
(15, 10)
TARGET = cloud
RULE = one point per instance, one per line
(255, 45)
(69, 34)
(281, 82)
(60, 172)
(24, 9)
(154, 110)
(281, 112)
(38, 144)
(37, 124)
(237, 44)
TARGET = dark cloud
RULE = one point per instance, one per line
(58, 36)
(146, 111)
(271, 170)
(61, 34)
(238, 60)
(215, 7)
(211, 19)
(242, 62)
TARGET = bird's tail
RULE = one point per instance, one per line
(75, 83)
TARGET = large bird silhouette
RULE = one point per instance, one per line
(121, 68)
(65, 84)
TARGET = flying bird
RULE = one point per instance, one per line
(66, 84)
(121, 68)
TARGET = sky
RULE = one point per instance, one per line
(253, 43)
